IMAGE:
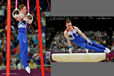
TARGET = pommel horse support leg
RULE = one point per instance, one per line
(78, 57)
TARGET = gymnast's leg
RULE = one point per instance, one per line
(90, 47)
(106, 50)
(23, 53)
(97, 45)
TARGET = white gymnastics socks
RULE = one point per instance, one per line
(27, 69)
(107, 50)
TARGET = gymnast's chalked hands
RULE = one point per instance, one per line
(70, 49)
(29, 18)
(15, 13)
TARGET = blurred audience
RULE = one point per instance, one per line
(32, 64)
(19, 65)
(2, 66)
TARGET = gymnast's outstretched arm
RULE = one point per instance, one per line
(29, 18)
(68, 41)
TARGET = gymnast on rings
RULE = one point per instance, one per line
(74, 34)
(23, 18)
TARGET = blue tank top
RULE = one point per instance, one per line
(22, 26)
(75, 37)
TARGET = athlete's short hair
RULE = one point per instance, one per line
(21, 6)
(68, 21)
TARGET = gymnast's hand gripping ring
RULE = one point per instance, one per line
(29, 17)
(15, 13)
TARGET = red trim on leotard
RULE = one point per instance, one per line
(73, 27)
(68, 30)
